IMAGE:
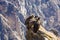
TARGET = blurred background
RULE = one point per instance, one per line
(47, 10)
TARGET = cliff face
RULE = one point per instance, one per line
(11, 28)
(14, 12)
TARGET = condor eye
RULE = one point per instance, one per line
(32, 20)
